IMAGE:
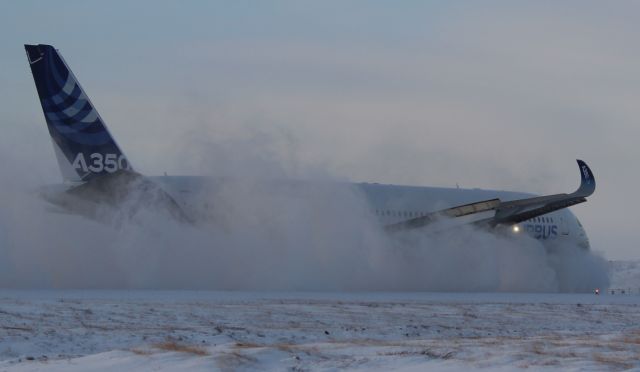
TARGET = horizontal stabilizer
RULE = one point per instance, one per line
(122, 190)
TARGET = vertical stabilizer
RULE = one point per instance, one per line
(83, 145)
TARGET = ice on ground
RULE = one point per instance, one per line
(175, 330)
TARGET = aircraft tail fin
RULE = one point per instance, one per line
(83, 145)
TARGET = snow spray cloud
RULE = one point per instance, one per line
(262, 233)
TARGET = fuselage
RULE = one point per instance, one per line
(395, 203)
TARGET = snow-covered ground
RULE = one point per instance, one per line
(625, 276)
(179, 330)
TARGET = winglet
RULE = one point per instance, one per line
(587, 181)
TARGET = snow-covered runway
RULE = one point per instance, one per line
(169, 330)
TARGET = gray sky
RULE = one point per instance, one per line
(500, 95)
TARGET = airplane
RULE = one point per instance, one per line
(96, 172)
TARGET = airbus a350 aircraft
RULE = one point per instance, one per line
(96, 171)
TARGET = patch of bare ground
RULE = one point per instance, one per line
(631, 339)
(232, 361)
(537, 348)
(617, 346)
(429, 353)
(546, 362)
(288, 348)
(246, 345)
(489, 341)
(562, 353)
(614, 361)
(308, 350)
(141, 351)
(181, 348)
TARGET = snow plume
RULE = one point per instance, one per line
(259, 233)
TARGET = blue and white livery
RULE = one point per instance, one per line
(83, 145)
(99, 172)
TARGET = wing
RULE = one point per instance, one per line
(509, 212)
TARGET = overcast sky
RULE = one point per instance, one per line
(492, 94)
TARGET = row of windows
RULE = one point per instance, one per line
(407, 214)
(414, 214)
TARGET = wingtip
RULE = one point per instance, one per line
(587, 180)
